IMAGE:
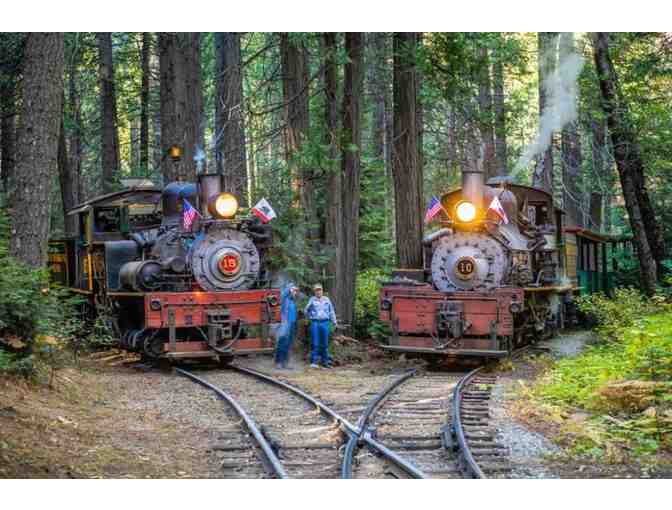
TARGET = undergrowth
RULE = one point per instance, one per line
(620, 387)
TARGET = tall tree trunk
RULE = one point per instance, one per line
(501, 166)
(351, 144)
(75, 138)
(37, 143)
(144, 103)
(108, 101)
(407, 189)
(547, 60)
(294, 57)
(333, 226)
(645, 228)
(419, 119)
(229, 128)
(570, 150)
(7, 128)
(68, 182)
(181, 103)
(485, 113)
(382, 118)
(602, 166)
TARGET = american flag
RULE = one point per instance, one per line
(189, 215)
(433, 209)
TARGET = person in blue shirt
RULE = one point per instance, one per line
(321, 312)
(287, 327)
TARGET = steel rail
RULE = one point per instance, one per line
(363, 422)
(271, 460)
(325, 409)
(472, 467)
(346, 426)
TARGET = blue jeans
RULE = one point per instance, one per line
(319, 334)
(285, 344)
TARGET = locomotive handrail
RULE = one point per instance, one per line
(271, 459)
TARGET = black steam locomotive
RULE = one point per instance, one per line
(177, 273)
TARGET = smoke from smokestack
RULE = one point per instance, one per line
(561, 105)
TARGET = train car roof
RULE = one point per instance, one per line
(134, 195)
(596, 236)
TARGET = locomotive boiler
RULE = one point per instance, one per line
(176, 273)
(493, 276)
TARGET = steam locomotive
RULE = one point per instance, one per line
(492, 282)
(169, 288)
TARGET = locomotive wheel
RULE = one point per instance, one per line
(153, 346)
(225, 361)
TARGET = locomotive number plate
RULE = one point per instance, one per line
(465, 268)
(229, 264)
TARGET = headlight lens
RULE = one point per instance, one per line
(224, 206)
(466, 211)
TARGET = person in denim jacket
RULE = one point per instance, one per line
(287, 332)
(321, 313)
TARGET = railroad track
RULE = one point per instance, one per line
(405, 418)
(469, 433)
(416, 427)
(287, 432)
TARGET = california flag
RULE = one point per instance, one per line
(496, 207)
(264, 210)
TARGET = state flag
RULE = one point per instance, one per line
(264, 210)
(498, 209)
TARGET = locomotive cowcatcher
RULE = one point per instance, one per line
(170, 289)
(491, 281)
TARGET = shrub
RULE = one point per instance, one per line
(613, 316)
(35, 321)
(367, 324)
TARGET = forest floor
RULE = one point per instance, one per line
(112, 418)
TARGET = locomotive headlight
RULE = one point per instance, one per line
(224, 206)
(466, 211)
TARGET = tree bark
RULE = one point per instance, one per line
(351, 145)
(294, 58)
(485, 113)
(7, 128)
(570, 149)
(37, 143)
(547, 42)
(407, 181)
(333, 224)
(68, 183)
(501, 164)
(108, 101)
(144, 103)
(230, 150)
(181, 103)
(75, 123)
(629, 164)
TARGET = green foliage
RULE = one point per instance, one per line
(36, 321)
(614, 315)
(367, 324)
(617, 380)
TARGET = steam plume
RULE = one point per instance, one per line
(561, 105)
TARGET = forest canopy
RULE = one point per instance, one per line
(349, 135)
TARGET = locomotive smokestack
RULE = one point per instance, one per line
(472, 186)
(209, 186)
